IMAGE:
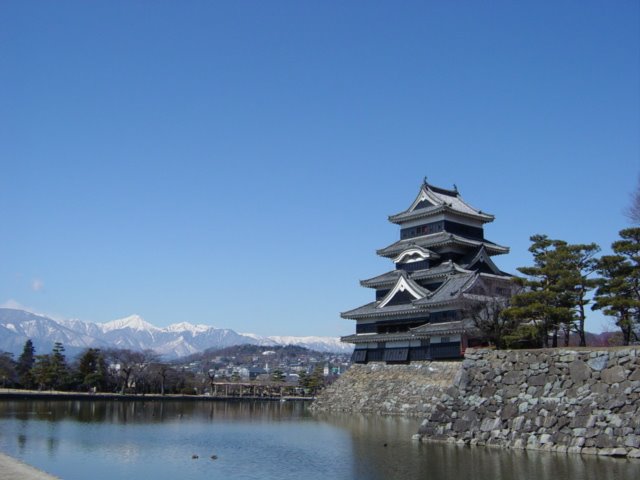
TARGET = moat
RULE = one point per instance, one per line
(252, 439)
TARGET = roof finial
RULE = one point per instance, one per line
(425, 181)
(455, 188)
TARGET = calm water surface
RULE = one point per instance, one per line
(257, 440)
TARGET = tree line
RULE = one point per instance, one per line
(113, 370)
(551, 299)
(119, 371)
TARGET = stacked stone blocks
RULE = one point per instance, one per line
(562, 400)
(580, 401)
(388, 389)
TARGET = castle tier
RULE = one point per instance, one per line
(442, 261)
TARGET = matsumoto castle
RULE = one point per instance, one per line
(442, 260)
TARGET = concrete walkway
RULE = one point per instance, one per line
(12, 469)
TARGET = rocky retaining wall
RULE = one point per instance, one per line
(582, 401)
(388, 389)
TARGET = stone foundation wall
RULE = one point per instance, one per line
(388, 389)
(582, 401)
(579, 400)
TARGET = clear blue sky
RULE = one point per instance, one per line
(234, 163)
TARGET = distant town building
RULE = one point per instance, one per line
(442, 261)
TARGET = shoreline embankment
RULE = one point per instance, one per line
(17, 394)
(565, 400)
(13, 469)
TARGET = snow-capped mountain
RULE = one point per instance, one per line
(16, 326)
(187, 327)
(134, 333)
(133, 322)
(320, 344)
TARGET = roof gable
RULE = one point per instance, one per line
(432, 196)
(482, 262)
(423, 200)
(406, 290)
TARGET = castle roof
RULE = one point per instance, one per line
(445, 268)
(370, 310)
(425, 330)
(449, 292)
(443, 328)
(379, 337)
(432, 200)
(440, 239)
(390, 278)
(386, 279)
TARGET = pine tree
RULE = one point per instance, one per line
(576, 264)
(545, 304)
(312, 382)
(42, 372)
(59, 368)
(278, 375)
(618, 293)
(8, 375)
(92, 370)
(25, 365)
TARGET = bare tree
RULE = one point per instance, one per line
(486, 313)
(161, 372)
(143, 373)
(633, 210)
(121, 364)
(129, 367)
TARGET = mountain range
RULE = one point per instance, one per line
(134, 333)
